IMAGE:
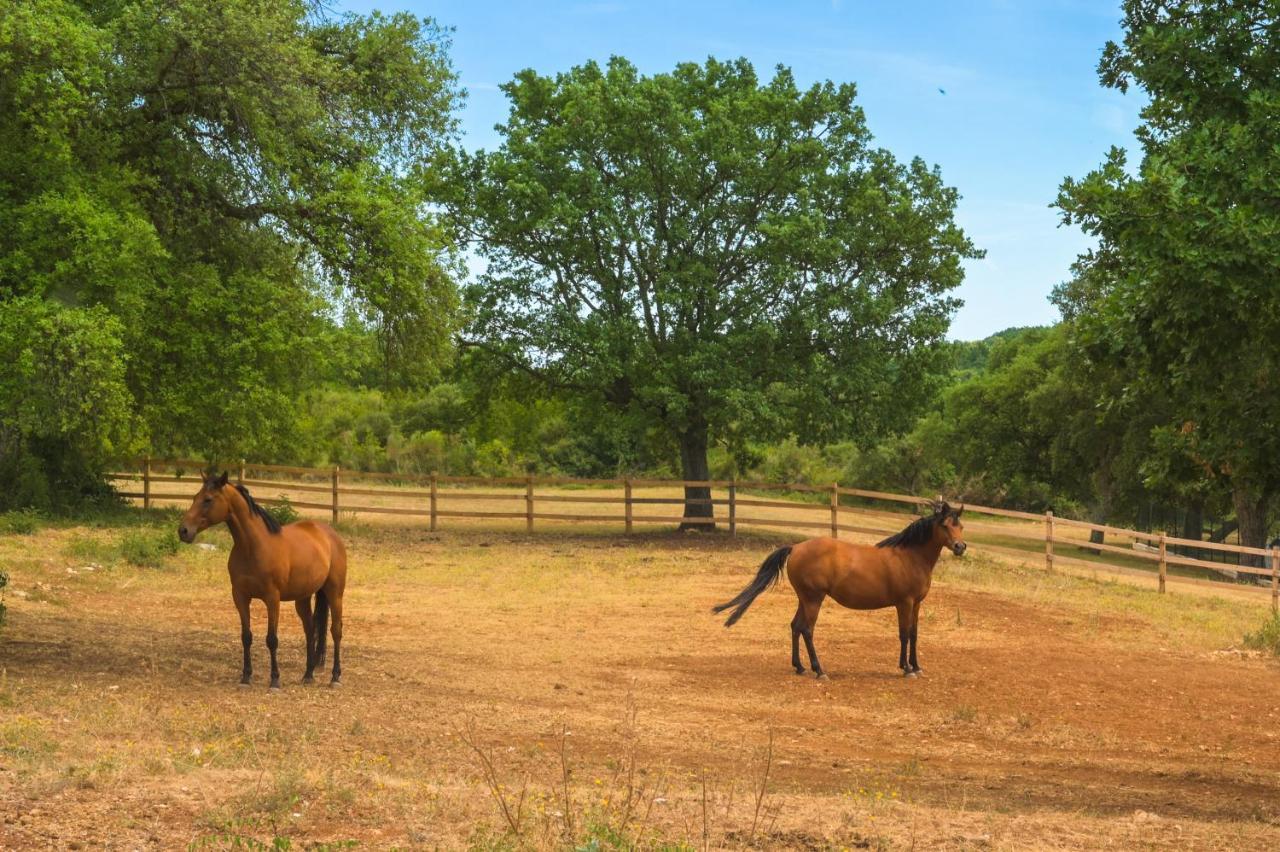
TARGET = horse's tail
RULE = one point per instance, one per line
(321, 623)
(770, 571)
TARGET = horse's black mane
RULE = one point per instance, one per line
(273, 526)
(920, 530)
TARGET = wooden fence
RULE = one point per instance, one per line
(739, 499)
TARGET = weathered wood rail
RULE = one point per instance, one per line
(434, 493)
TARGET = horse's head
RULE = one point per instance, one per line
(209, 508)
(947, 525)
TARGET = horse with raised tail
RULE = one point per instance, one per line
(896, 572)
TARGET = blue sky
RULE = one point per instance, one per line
(1022, 107)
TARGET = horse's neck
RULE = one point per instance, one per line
(929, 553)
(246, 530)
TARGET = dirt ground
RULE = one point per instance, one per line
(571, 689)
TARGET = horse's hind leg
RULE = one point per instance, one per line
(303, 606)
(321, 624)
(335, 614)
(797, 627)
(809, 611)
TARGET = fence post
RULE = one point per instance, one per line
(835, 510)
(433, 500)
(146, 483)
(528, 504)
(240, 473)
(1163, 564)
(626, 490)
(733, 506)
(1048, 540)
(335, 494)
(1275, 579)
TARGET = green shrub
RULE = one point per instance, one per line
(19, 522)
(1267, 636)
(284, 513)
(149, 547)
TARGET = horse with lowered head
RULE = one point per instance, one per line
(275, 563)
(896, 572)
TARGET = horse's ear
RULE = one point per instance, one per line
(960, 511)
(221, 481)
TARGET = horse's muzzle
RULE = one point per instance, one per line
(959, 548)
(185, 533)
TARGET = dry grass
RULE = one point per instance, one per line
(571, 690)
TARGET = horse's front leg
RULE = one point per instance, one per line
(273, 641)
(241, 600)
(915, 625)
(905, 610)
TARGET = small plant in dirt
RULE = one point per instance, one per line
(1266, 637)
(4, 581)
(149, 548)
(19, 522)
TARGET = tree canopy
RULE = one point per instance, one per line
(724, 257)
(1183, 292)
(227, 180)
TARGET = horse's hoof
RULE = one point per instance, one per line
(244, 684)
(909, 674)
(821, 676)
(308, 679)
(799, 671)
(335, 683)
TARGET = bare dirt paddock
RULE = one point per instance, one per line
(578, 679)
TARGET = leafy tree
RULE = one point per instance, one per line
(1183, 291)
(720, 257)
(64, 407)
(225, 178)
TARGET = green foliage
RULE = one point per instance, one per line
(283, 512)
(64, 405)
(1266, 637)
(1182, 293)
(708, 254)
(202, 185)
(19, 522)
(149, 548)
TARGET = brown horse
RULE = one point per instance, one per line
(896, 572)
(274, 563)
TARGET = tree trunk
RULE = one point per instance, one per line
(693, 466)
(1100, 512)
(1193, 528)
(1251, 513)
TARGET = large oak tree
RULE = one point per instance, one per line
(717, 255)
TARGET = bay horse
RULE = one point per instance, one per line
(896, 572)
(275, 563)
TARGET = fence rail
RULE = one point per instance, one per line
(830, 515)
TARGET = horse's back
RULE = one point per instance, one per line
(858, 576)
